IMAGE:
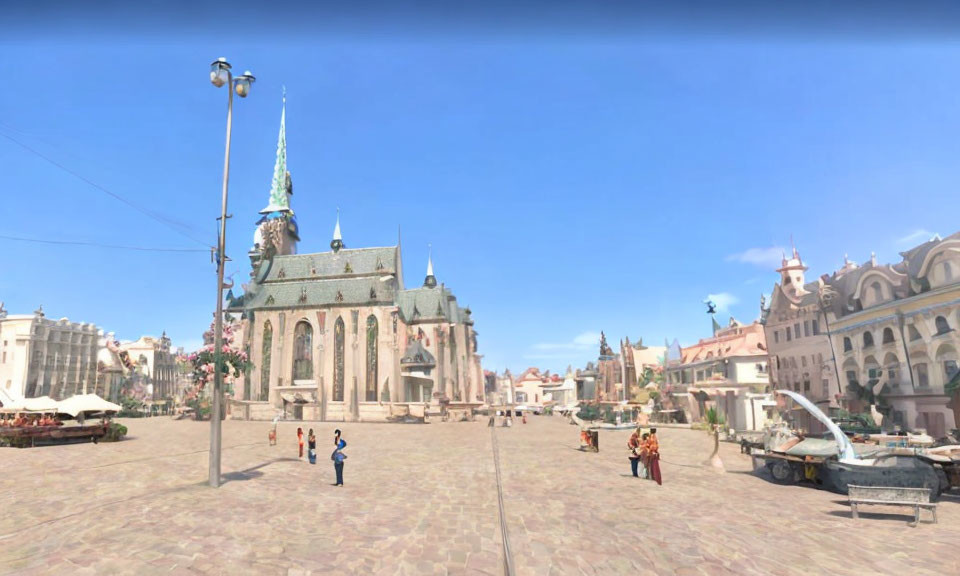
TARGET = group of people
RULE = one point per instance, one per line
(337, 456)
(645, 451)
(28, 420)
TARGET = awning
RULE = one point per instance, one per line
(39, 404)
(87, 404)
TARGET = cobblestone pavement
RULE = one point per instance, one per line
(422, 500)
(572, 512)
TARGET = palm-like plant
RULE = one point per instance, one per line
(716, 421)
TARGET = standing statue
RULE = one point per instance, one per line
(605, 349)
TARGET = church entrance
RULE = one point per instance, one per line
(417, 389)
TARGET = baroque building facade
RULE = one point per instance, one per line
(156, 360)
(801, 356)
(337, 335)
(892, 329)
(44, 357)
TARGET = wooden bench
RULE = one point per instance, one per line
(915, 498)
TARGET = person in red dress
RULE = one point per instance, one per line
(653, 456)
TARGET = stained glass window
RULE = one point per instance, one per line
(455, 365)
(265, 361)
(338, 329)
(373, 329)
(303, 351)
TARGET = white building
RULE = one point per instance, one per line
(44, 357)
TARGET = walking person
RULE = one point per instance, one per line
(300, 441)
(312, 447)
(338, 456)
(633, 444)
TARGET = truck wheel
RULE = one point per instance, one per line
(783, 472)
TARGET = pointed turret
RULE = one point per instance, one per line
(430, 281)
(282, 187)
(337, 243)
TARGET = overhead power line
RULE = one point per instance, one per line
(175, 226)
(99, 245)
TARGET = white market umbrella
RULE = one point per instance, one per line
(86, 403)
(39, 404)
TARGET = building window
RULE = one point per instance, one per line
(789, 337)
(455, 365)
(803, 361)
(796, 330)
(851, 377)
(888, 336)
(942, 325)
(947, 272)
(877, 292)
(265, 354)
(826, 387)
(806, 328)
(302, 351)
(373, 329)
(806, 385)
(338, 329)
(913, 332)
(950, 369)
(776, 336)
(923, 377)
(847, 344)
(816, 327)
(867, 339)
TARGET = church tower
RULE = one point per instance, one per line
(430, 281)
(277, 231)
(337, 243)
(792, 277)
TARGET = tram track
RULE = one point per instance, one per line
(508, 568)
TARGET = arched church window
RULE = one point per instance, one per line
(877, 292)
(303, 351)
(888, 335)
(455, 363)
(338, 335)
(942, 325)
(847, 344)
(373, 329)
(867, 339)
(265, 356)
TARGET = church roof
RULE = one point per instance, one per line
(313, 292)
(361, 261)
(429, 304)
(417, 354)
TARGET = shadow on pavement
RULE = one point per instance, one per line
(906, 518)
(253, 471)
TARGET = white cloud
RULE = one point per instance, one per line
(583, 341)
(723, 300)
(766, 257)
(918, 236)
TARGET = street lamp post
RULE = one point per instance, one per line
(220, 75)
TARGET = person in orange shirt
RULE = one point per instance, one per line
(300, 441)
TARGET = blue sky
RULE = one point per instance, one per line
(568, 185)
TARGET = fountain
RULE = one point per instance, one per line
(847, 452)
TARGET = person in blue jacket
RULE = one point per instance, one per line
(338, 456)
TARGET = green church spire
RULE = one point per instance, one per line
(281, 187)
